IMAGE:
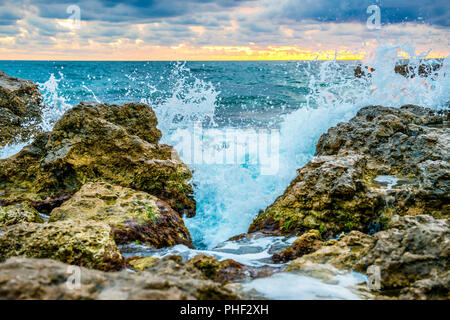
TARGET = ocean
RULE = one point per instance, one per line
(244, 128)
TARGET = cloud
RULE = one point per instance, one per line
(210, 26)
(392, 11)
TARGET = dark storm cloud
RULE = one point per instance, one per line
(392, 11)
(134, 10)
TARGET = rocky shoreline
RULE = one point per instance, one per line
(374, 197)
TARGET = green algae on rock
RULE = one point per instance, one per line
(337, 190)
(219, 271)
(25, 278)
(412, 257)
(83, 243)
(133, 215)
(113, 143)
(306, 243)
(20, 110)
(18, 213)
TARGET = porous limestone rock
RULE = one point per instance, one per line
(133, 215)
(20, 109)
(83, 243)
(18, 213)
(338, 189)
(25, 278)
(306, 243)
(91, 142)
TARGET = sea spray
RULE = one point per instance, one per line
(229, 196)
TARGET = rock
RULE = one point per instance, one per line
(413, 257)
(406, 70)
(133, 215)
(306, 243)
(433, 288)
(342, 254)
(44, 279)
(113, 143)
(20, 109)
(83, 243)
(338, 189)
(141, 264)
(18, 213)
(220, 271)
(328, 194)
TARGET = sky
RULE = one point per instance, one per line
(218, 29)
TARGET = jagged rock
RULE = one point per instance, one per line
(113, 143)
(18, 213)
(342, 254)
(406, 70)
(20, 109)
(220, 271)
(412, 255)
(328, 194)
(338, 189)
(22, 278)
(84, 243)
(306, 243)
(141, 264)
(133, 215)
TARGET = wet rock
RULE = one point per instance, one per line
(406, 70)
(337, 190)
(413, 257)
(133, 215)
(306, 243)
(18, 213)
(220, 271)
(20, 109)
(342, 254)
(83, 243)
(328, 194)
(141, 264)
(22, 278)
(114, 143)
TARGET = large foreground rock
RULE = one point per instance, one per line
(22, 278)
(83, 243)
(113, 143)
(340, 189)
(133, 215)
(20, 109)
(412, 257)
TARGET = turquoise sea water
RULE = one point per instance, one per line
(287, 104)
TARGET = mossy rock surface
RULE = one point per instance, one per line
(220, 271)
(337, 191)
(133, 215)
(20, 110)
(83, 243)
(306, 243)
(18, 213)
(93, 142)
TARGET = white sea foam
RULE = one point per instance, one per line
(289, 286)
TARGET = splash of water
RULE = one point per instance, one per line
(229, 196)
(55, 103)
